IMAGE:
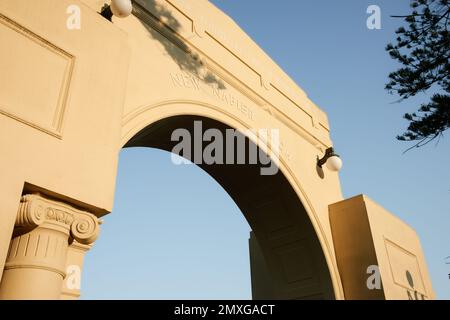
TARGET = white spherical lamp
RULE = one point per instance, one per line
(121, 8)
(334, 163)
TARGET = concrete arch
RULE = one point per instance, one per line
(147, 116)
(75, 98)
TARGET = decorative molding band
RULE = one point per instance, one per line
(35, 210)
(9, 266)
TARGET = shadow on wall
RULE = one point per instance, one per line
(164, 27)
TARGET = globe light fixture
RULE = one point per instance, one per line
(118, 8)
(331, 159)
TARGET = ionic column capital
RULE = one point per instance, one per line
(36, 210)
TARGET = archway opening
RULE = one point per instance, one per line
(286, 258)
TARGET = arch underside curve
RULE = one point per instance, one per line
(296, 262)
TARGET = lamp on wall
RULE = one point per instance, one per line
(118, 8)
(331, 159)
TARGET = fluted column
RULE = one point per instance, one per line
(37, 257)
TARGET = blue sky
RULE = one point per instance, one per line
(176, 234)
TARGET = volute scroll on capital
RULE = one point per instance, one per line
(36, 210)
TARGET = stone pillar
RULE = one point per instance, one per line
(36, 263)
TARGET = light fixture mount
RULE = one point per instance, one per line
(106, 12)
(331, 159)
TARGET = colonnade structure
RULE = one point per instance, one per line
(76, 88)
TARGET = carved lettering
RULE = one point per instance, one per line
(193, 82)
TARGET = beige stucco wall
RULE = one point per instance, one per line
(61, 102)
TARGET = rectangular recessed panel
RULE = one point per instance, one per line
(405, 268)
(297, 262)
(34, 78)
(318, 296)
(274, 218)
